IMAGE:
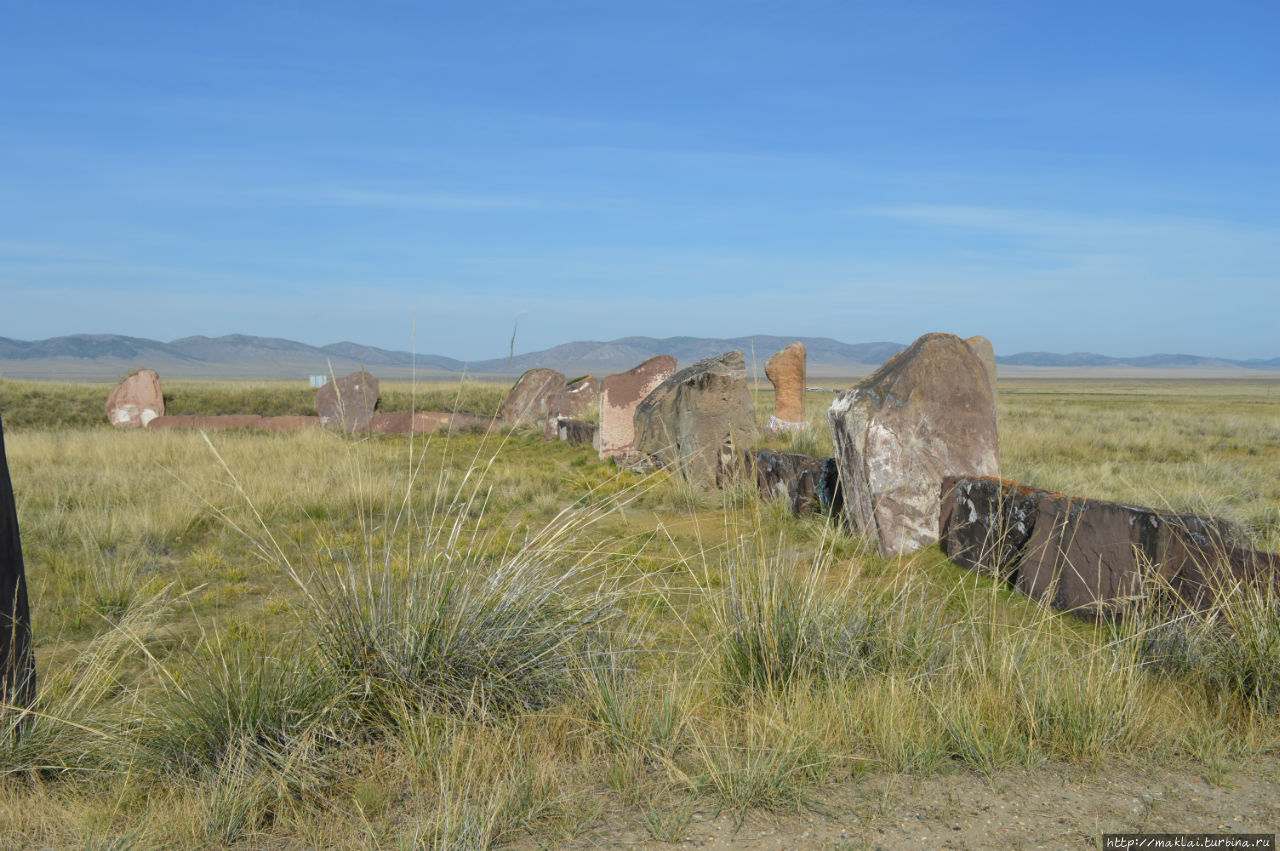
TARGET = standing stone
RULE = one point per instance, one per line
(527, 401)
(981, 347)
(786, 371)
(136, 401)
(619, 396)
(696, 419)
(348, 403)
(17, 665)
(574, 402)
(926, 414)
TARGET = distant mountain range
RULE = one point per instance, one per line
(108, 356)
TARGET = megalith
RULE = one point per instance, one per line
(574, 401)
(786, 371)
(696, 419)
(981, 347)
(926, 414)
(527, 401)
(136, 401)
(349, 402)
(619, 396)
(17, 665)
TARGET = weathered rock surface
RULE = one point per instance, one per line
(349, 402)
(926, 414)
(981, 347)
(786, 371)
(575, 431)
(136, 401)
(576, 401)
(808, 484)
(17, 662)
(619, 396)
(527, 401)
(695, 420)
(1092, 557)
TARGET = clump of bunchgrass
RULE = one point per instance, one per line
(1232, 645)
(82, 721)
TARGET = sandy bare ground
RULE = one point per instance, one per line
(1047, 807)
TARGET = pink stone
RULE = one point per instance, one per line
(136, 401)
(619, 396)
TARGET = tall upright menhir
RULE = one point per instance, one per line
(17, 665)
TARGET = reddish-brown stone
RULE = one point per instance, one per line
(527, 401)
(349, 402)
(288, 423)
(619, 396)
(425, 422)
(576, 401)
(136, 401)
(926, 414)
(1092, 557)
(786, 371)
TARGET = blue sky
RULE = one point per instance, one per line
(1056, 176)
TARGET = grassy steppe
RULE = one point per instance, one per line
(468, 640)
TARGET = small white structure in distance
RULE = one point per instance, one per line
(319, 380)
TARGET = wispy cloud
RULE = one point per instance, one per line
(425, 201)
(1057, 223)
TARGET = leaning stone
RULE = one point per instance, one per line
(527, 401)
(576, 401)
(619, 396)
(17, 662)
(786, 371)
(926, 414)
(349, 402)
(697, 417)
(136, 401)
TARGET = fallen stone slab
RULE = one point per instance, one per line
(575, 432)
(698, 417)
(1091, 557)
(926, 414)
(620, 394)
(427, 422)
(349, 402)
(288, 423)
(808, 484)
(17, 662)
(216, 422)
(136, 401)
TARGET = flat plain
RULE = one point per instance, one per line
(468, 640)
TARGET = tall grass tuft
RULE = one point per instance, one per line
(1232, 647)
